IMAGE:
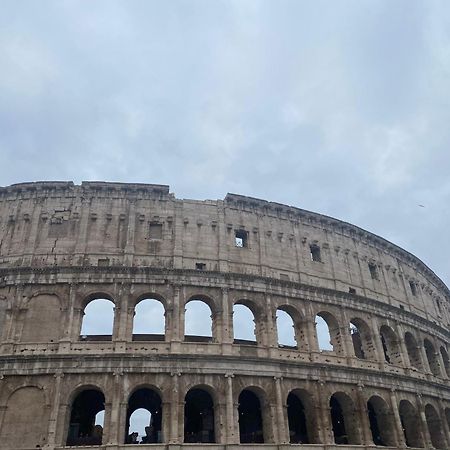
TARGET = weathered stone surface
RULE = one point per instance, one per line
(62, 246)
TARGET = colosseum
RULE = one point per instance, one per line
(380, 378)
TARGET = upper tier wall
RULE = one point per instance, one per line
(97, 223)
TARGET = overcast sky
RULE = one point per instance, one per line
(340, 107)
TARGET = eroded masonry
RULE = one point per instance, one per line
(382, 379)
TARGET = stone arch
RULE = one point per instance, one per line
(258, 318)
(363, 344)
(432, 357)
(446, 360)
(344, 419)
(25, 421)
(411, 424)
(296, 337)
(98, 317)
(148, 398)
(253, 416)
(87, 402)
(334, 332)
(149, 319)
(381, 422)
(244, 324)
(391, 345)
(200, 416)
(302, 419)
(42, 313)
(435, 427)
(413, 350)
(200, 319)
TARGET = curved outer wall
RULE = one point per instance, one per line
(62, 245)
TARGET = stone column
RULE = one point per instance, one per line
(379, 352)
(364, 417)
(129, 246)
(401, 338)
(165, 426)
(323, 417)
(177, 321)
(445, 424)
(117, 407)
(174, 409)
(280, 423)
(271, 325)
(232, 430)
(227, 323)
(401, 442)
(423, 420)
(54, 414)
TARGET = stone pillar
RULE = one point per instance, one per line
(116, 427)
(280, 423)
(54, 414)
(129, 246)
(227, 323)
(177, 321)
(347, 343)
(165, 426)
(445, 424)
(423, 420)
(366, 434)
(404, 350)
(376, 337)
(80, 246)
(310, 332)
(174, 409)
(271, 325)
(122, 331)
(323, 417)
(426, 363)
(32, 238)
(231, 413)
(401, 442)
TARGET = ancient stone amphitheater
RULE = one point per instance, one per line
(383, 380)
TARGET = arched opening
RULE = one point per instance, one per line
(361, 339)
(198, 325)
(26, 419)
(446, 360)
(199, 417)
(381, 422)
(447, 416)
(98, 320)
(149, 321)
(144, 417)
(411, 424)
(435, 427)
(86, 424)
(391, 346)
(250, 418)
(432, 358)
(343, 419)
(299, 420)
(413, 351)
(244, 325)
(328, 333)
(286, 329)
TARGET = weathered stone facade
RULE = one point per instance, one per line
(62, 246)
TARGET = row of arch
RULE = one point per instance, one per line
(87, 408)
(149, 323)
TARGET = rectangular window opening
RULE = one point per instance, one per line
(315, 253)
(413, 287)
(351, 290)
(241, 238)
(373, 269)
(155, 231)
(200, 266)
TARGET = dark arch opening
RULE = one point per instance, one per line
(391, 347)
(82, 427)
(199, 417)
(411, 424)
(250, 418)
(380, 420)
(446, 360)
(298, 429)
(149, 400)
(435, 427)
(344, 420)
(338, 422)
